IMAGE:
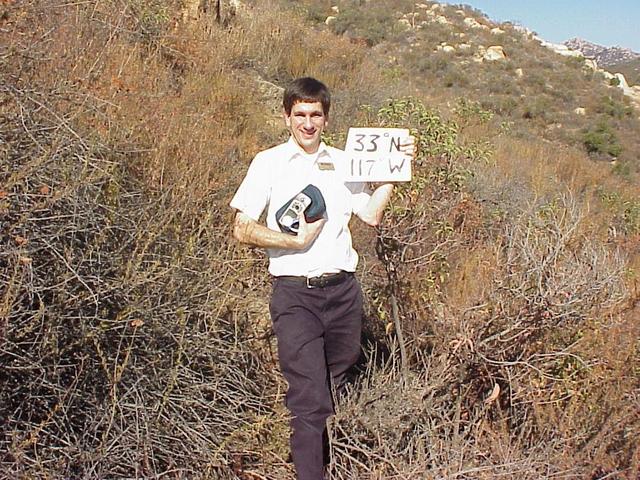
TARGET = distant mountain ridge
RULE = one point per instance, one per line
(604, 56)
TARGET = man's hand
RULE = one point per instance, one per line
(408, 146)
(308, 232)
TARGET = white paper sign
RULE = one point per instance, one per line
(374, 155)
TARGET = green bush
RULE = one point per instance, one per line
(614, 108)
(470, 111)
(601, 139)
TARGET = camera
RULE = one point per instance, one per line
(289, 218)
(310, 201)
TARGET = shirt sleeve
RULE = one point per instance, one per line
(252, 195)
(360, 195)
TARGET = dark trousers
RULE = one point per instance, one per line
(318, 332)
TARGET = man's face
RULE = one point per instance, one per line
(306, 123)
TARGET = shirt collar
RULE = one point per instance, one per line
(294, 150)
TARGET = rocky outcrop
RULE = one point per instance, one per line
(524, 31)
(606, 75)
(494, 53)
(559, 48)
(591, 64)
(622, 84)
(605, 56)
(473, 23)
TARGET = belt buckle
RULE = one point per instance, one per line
(308, 284)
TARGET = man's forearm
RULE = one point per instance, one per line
(371, 214)
(246, 230)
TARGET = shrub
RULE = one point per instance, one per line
(539, 108)
(470, 111)
(616, 108)
(372, 23)
(601, 139)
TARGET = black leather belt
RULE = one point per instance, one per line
(326, 280)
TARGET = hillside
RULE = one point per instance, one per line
(614, 59)
(605, 56)
(501, 330)
(630, 69)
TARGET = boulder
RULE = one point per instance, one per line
(445, 48)
(271, 97)
(494, 53)
(335, 9)
(330, 20)
(580, 111)
(464, 47)
(471, 22)
(442, 20)
(497, 31)
(592, 64)
(519, 73)
(404, 22)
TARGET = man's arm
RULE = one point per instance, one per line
(372, 212)
(246, 230)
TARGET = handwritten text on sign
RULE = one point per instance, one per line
(374, 155)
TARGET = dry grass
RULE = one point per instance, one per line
(135, 337)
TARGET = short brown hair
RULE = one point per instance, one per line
(306, 89)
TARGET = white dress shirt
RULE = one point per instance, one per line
(275, 176)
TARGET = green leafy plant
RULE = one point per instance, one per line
(601, 139)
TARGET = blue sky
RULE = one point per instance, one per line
(608, 23)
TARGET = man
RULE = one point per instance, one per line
(316, 304)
